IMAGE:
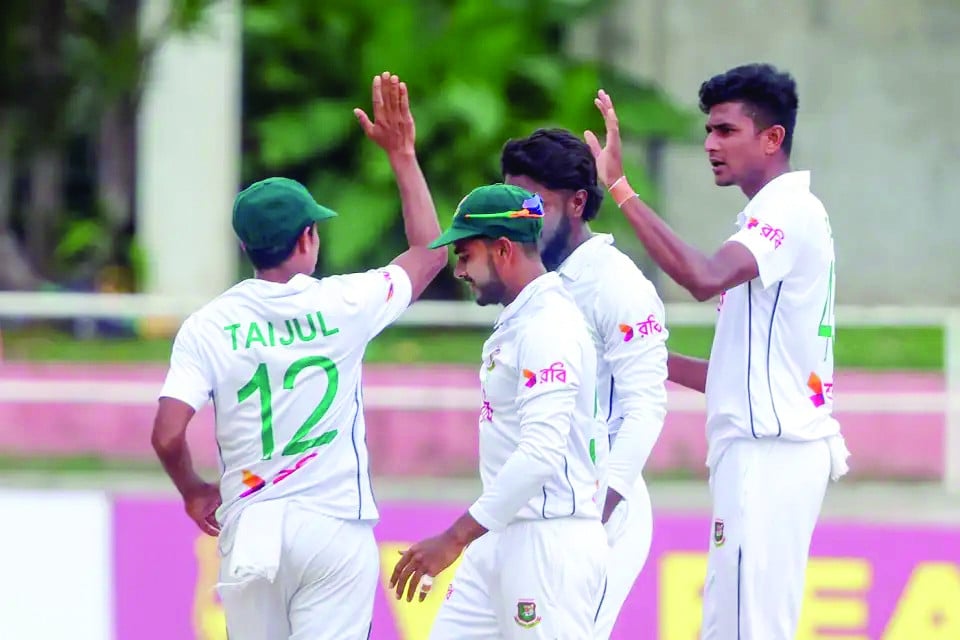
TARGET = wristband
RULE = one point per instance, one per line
(621, 191)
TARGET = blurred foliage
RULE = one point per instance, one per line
(478, 71)
(71, 75)
(62, 63)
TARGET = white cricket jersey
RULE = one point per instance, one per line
(771, 365)
(542, 447)
(282, 365)
(629, 331)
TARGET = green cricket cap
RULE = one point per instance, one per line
(271, 213)
(495, 211)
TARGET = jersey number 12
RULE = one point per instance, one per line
(261, 382)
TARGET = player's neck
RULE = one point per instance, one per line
(755, 183)
(578, 235)
(280, 274)
(527, 271)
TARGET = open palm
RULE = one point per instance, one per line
(609, 157)
(392, 126)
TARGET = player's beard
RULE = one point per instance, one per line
(493, 291)
(553, 250)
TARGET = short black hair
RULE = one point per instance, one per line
(557, 159)
(273, 257)
(769, 93)
(528, 248)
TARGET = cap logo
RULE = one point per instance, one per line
(532, 208)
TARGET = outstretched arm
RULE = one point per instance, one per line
(393, 129)
(703, 276)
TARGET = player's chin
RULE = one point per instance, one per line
(723, 179)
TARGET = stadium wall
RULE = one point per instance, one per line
(872, 79)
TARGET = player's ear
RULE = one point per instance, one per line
(307, 238)
(579, 201)
(501, 249)
(773, 138)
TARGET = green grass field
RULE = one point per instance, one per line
(906, 348)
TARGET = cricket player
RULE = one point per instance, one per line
(279, 355)
(537, 550)
(772, 441)
(627, 320)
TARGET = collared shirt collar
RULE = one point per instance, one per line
(790, 181)
(579, 260)
(538, 285)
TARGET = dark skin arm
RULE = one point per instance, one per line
(687, 372)
(394, 130)
(433, 555)
(703, 276)
(169, 440)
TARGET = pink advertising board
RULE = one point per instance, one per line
(864, 582)
(107, 410)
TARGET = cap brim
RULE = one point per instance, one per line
(321, 212)
(451, 235)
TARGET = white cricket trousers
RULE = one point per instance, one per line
(767, 496)
(538, 579)
(630, 532)
(324, 588)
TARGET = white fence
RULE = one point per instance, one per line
(467, 314)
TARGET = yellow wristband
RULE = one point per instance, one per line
(621, 191)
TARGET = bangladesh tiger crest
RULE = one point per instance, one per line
(526, 614)
(718, 536)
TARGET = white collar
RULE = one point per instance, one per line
(784, 183)
(536, 286)
(579, 260)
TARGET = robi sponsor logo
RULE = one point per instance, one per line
(255, 483)
(822, 391)
(646, 328)
(386, 276)
(774, 235)
(486, 411)
(554, 373)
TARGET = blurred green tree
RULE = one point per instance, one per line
(479, 72)
(71, 75)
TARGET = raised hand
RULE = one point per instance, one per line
(392, 127)
(610, 157)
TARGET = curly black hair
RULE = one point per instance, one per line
(770, 94)
(557, 159)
